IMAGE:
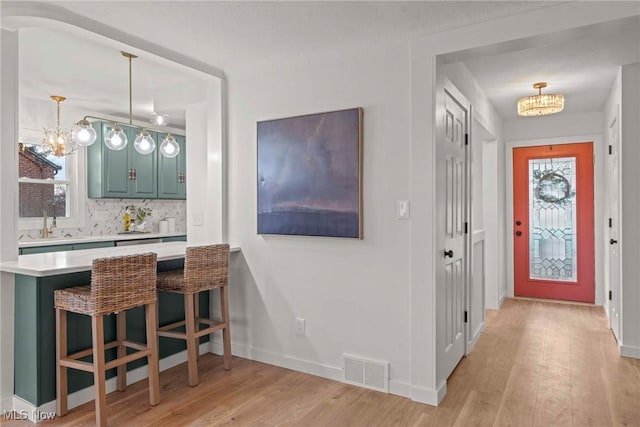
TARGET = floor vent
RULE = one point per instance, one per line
(366, 373)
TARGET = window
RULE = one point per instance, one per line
(42, 182)
(47, 182)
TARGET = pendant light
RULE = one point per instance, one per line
(58, 141)
(169, 147)
(83, 133)
(541, 105)
(116, 138)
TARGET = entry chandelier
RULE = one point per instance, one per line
(84, 134)
(58, 141)
(541, 104)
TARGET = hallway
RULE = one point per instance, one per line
(537, 363)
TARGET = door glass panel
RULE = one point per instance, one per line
(552, 219)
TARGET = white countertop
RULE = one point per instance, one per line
(54, 263)
(87, 239)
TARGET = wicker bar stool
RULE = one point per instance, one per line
(205, 268)
(117, 284)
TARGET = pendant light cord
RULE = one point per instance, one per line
(130, 95)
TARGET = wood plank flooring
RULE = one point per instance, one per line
(537, 364)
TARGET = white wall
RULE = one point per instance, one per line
(630, 198)
(354, 294)
(559, 130)
(8, 207)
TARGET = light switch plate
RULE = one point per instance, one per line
(198, 219)
(403, 209)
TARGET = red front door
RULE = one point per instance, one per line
(553, 222)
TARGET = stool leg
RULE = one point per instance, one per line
(196, 310)
(152, 344)
(226, 332)
(61, 371)
(121, 319)
(191, 339)
(97, 324)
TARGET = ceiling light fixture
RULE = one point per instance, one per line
(159, 119)
(58, 141)
(541, 105)
(83, 134)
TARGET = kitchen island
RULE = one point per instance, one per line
(37, 276)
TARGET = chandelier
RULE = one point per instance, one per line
(116, 139)
(540, 104)
(58, 141)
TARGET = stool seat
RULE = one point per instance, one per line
(205, 268)
(117, 284)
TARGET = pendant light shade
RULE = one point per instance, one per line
(541, 105)
(169, 146)
(116, 139)
(83, 133)
(144, 143)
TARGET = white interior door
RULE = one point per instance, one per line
(452, 196)
(613, 182)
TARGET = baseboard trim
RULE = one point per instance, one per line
(476, 337)
(630, 351)
(281, 360)
(41, 413)
(429, 396)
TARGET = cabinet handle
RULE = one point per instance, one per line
(181, 178)
(135, 174)
(130, 174)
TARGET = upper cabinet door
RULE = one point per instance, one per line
(144, 183)
(115, 167)
(171, 172)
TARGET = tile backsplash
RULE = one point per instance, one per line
(104, 217)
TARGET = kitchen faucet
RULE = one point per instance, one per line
(45, 230)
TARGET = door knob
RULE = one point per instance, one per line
(518, 233)
(613, 242)
(448, 253)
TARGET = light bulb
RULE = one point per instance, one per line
(169, 147)
(83, 133)
(116, 139)
(159, 119)
(144, 143)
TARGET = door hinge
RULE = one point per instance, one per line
(466, 139)
(465, 317)
(610, 222)
(610, 295)
(466, 228)
(610, 149)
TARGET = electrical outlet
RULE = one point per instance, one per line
(299, 326)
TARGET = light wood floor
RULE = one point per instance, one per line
(537, 363)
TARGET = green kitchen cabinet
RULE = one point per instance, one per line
(93, 245)
(43, 249)
(172, 172)
(175, 239)
(123, 173)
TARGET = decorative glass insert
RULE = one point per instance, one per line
(552, 219)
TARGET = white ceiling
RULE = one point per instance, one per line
(95, 77)
(241, 35)
(582, 64)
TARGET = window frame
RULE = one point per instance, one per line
(75, 182)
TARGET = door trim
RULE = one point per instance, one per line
(598, 187)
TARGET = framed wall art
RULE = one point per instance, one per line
(310, 175)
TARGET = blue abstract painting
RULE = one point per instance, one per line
(310, 175)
